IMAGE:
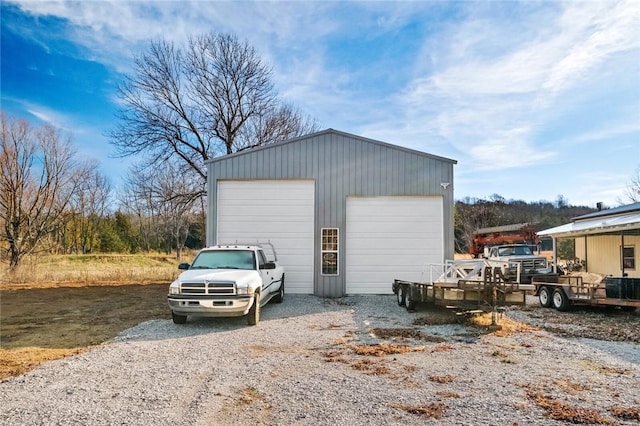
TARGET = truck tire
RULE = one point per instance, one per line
(545, 296)
(402, 295)
(560, 300)
(410, 301)
(279, 298)
(254, 313)
(178, 319)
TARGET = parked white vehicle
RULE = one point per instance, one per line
(518, 258)
(227, 281)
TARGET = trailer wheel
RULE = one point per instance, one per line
(560, 300)
(410, 301)
(545, 297)
(402, 295)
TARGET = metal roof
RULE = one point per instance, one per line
(616, 221)
(504, 228)
(635, 207)
(329, 131)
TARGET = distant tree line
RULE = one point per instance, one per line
(471, 214)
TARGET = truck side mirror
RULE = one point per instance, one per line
(268, 265)
(183, 266)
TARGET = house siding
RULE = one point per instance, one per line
(341, 165)
(608, 258)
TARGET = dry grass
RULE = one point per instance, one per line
(446, 378)
(434, 410)
(507, 325)
(626, 413)
(541, 395)
(91, 269)
(16, 361)
(384, 349)
(404, 333)
(558, 410)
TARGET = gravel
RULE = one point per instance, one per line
(315, 361)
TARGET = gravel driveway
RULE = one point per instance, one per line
(352, 361)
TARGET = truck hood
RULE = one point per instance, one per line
(240, 277)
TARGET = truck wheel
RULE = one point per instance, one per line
(279, 298)
(560, 300)
(545, 297)
(409, 300)
(402, 295)
(254, 313)
(178, 319)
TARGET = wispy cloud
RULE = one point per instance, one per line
(495, 85)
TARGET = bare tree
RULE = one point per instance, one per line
(632, 191)
(88, 205)
(214, 97)
(38, 177)
(163, 200)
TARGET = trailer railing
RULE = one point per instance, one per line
(454, 271)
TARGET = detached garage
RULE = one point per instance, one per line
(346, 214)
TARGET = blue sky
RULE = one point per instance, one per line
(534, 99)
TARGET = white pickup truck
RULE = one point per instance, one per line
(226, 281)
(512, 257)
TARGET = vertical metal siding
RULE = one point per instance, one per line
(341, 166)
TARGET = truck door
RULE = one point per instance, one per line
(267, 275)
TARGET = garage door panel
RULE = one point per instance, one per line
(391, 238)
(281, 212)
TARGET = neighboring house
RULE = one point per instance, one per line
(607, 240)
(346, 214)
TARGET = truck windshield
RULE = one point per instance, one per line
(224, 259)
(515, 251)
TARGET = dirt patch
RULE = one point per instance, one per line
(43, 323)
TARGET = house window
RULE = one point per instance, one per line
(629, 257)
(329, 251)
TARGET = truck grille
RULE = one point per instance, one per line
(533, 264)
(219, 288)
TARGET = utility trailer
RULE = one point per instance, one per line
(563, 291)
(462, 284)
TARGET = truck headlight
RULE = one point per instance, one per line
(242, 290)
(174, 290)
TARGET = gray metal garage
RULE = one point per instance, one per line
(346, 214)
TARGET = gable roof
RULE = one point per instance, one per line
(335, 132)
(609, 221)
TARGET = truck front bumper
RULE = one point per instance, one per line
(210, 306)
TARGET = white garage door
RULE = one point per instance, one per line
(391, 237)
(278, 211)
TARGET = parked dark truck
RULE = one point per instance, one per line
(226, 281)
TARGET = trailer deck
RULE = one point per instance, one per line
(561, 292)
(468, 284)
